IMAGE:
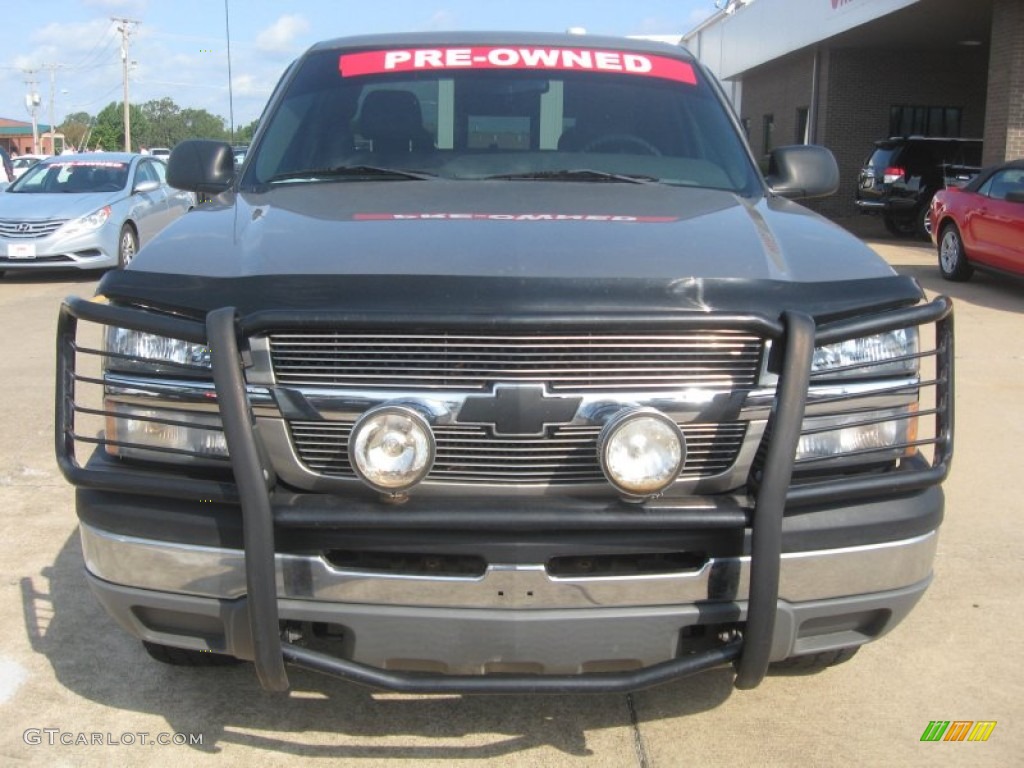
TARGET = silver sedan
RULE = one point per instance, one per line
(86, 211)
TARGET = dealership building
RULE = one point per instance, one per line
(845, 73)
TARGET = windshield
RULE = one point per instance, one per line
(73, 176)
(542, 114)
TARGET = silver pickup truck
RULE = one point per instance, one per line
(498, 367)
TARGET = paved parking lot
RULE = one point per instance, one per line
(65, 667)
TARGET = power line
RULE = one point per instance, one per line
(106, 36)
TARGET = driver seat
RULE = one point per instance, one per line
(393, 122)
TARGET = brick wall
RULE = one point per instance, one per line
(857, 87)
(1004, 119)
(779, 89)
(863, 84)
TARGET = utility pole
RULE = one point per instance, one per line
(126, 29)
(32, 104)
(53, 82)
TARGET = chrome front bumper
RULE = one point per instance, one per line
(220, 573)
(514, 619)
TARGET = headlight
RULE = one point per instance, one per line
(93, 221)
(642, 451)
(129, 350)
(884, 353)
(160, 434)
(864, 437)
(391, 448)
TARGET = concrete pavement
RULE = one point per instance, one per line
(64, 665)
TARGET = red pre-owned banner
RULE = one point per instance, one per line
(557, 59)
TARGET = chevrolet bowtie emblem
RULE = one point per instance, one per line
(518, 410)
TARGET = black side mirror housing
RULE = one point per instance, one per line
(202, 166)
(1017, 196)
(803, 171)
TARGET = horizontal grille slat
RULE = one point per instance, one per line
(470, 454)
(28, 230)
(627, 361)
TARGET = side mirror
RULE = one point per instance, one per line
(146, 186)
(201, 165)
(802, 171)
(1017, 196)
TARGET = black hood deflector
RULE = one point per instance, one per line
(437, 299)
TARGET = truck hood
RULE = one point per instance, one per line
(507, 228)
(487, 248)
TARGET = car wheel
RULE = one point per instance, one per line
(900, 226)
(127, 246)
(185, 657)
(952, 257)
(813, 662)
(923, 221)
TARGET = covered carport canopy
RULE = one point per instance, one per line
(845, 73)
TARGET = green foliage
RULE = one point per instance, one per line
(244, 134)
(75, 127)
(168, 124)
(157, 123)
(108, 130)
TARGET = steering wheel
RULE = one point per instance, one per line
(623, 141)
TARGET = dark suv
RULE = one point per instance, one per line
(902, 174)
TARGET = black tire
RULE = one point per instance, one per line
(953, 262)
(127, 246)
(185, 657)
(900, 226)
(813, 662)
(922, 222)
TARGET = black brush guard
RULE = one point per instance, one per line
(794, 337)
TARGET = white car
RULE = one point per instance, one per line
(161, 152)
(88, 211)
(22, 163)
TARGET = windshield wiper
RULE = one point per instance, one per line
(575, 174)
(364, 171)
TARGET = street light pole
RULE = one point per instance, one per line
(231, 96)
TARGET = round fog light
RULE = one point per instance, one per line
(391, 448)
(642, 451)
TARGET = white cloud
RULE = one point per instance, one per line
(280, 36)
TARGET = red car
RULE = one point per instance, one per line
(981, 224)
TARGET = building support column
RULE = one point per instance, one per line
(1004, 108)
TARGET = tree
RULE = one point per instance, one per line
(244, 134)
(75, 127)
(157, 123)
(167, 124)
(163, 117)
(108, 131)
(200, 124)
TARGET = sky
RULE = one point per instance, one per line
(179, 47)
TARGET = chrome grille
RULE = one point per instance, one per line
(470, 454)
(587, 361)
(28, 230)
